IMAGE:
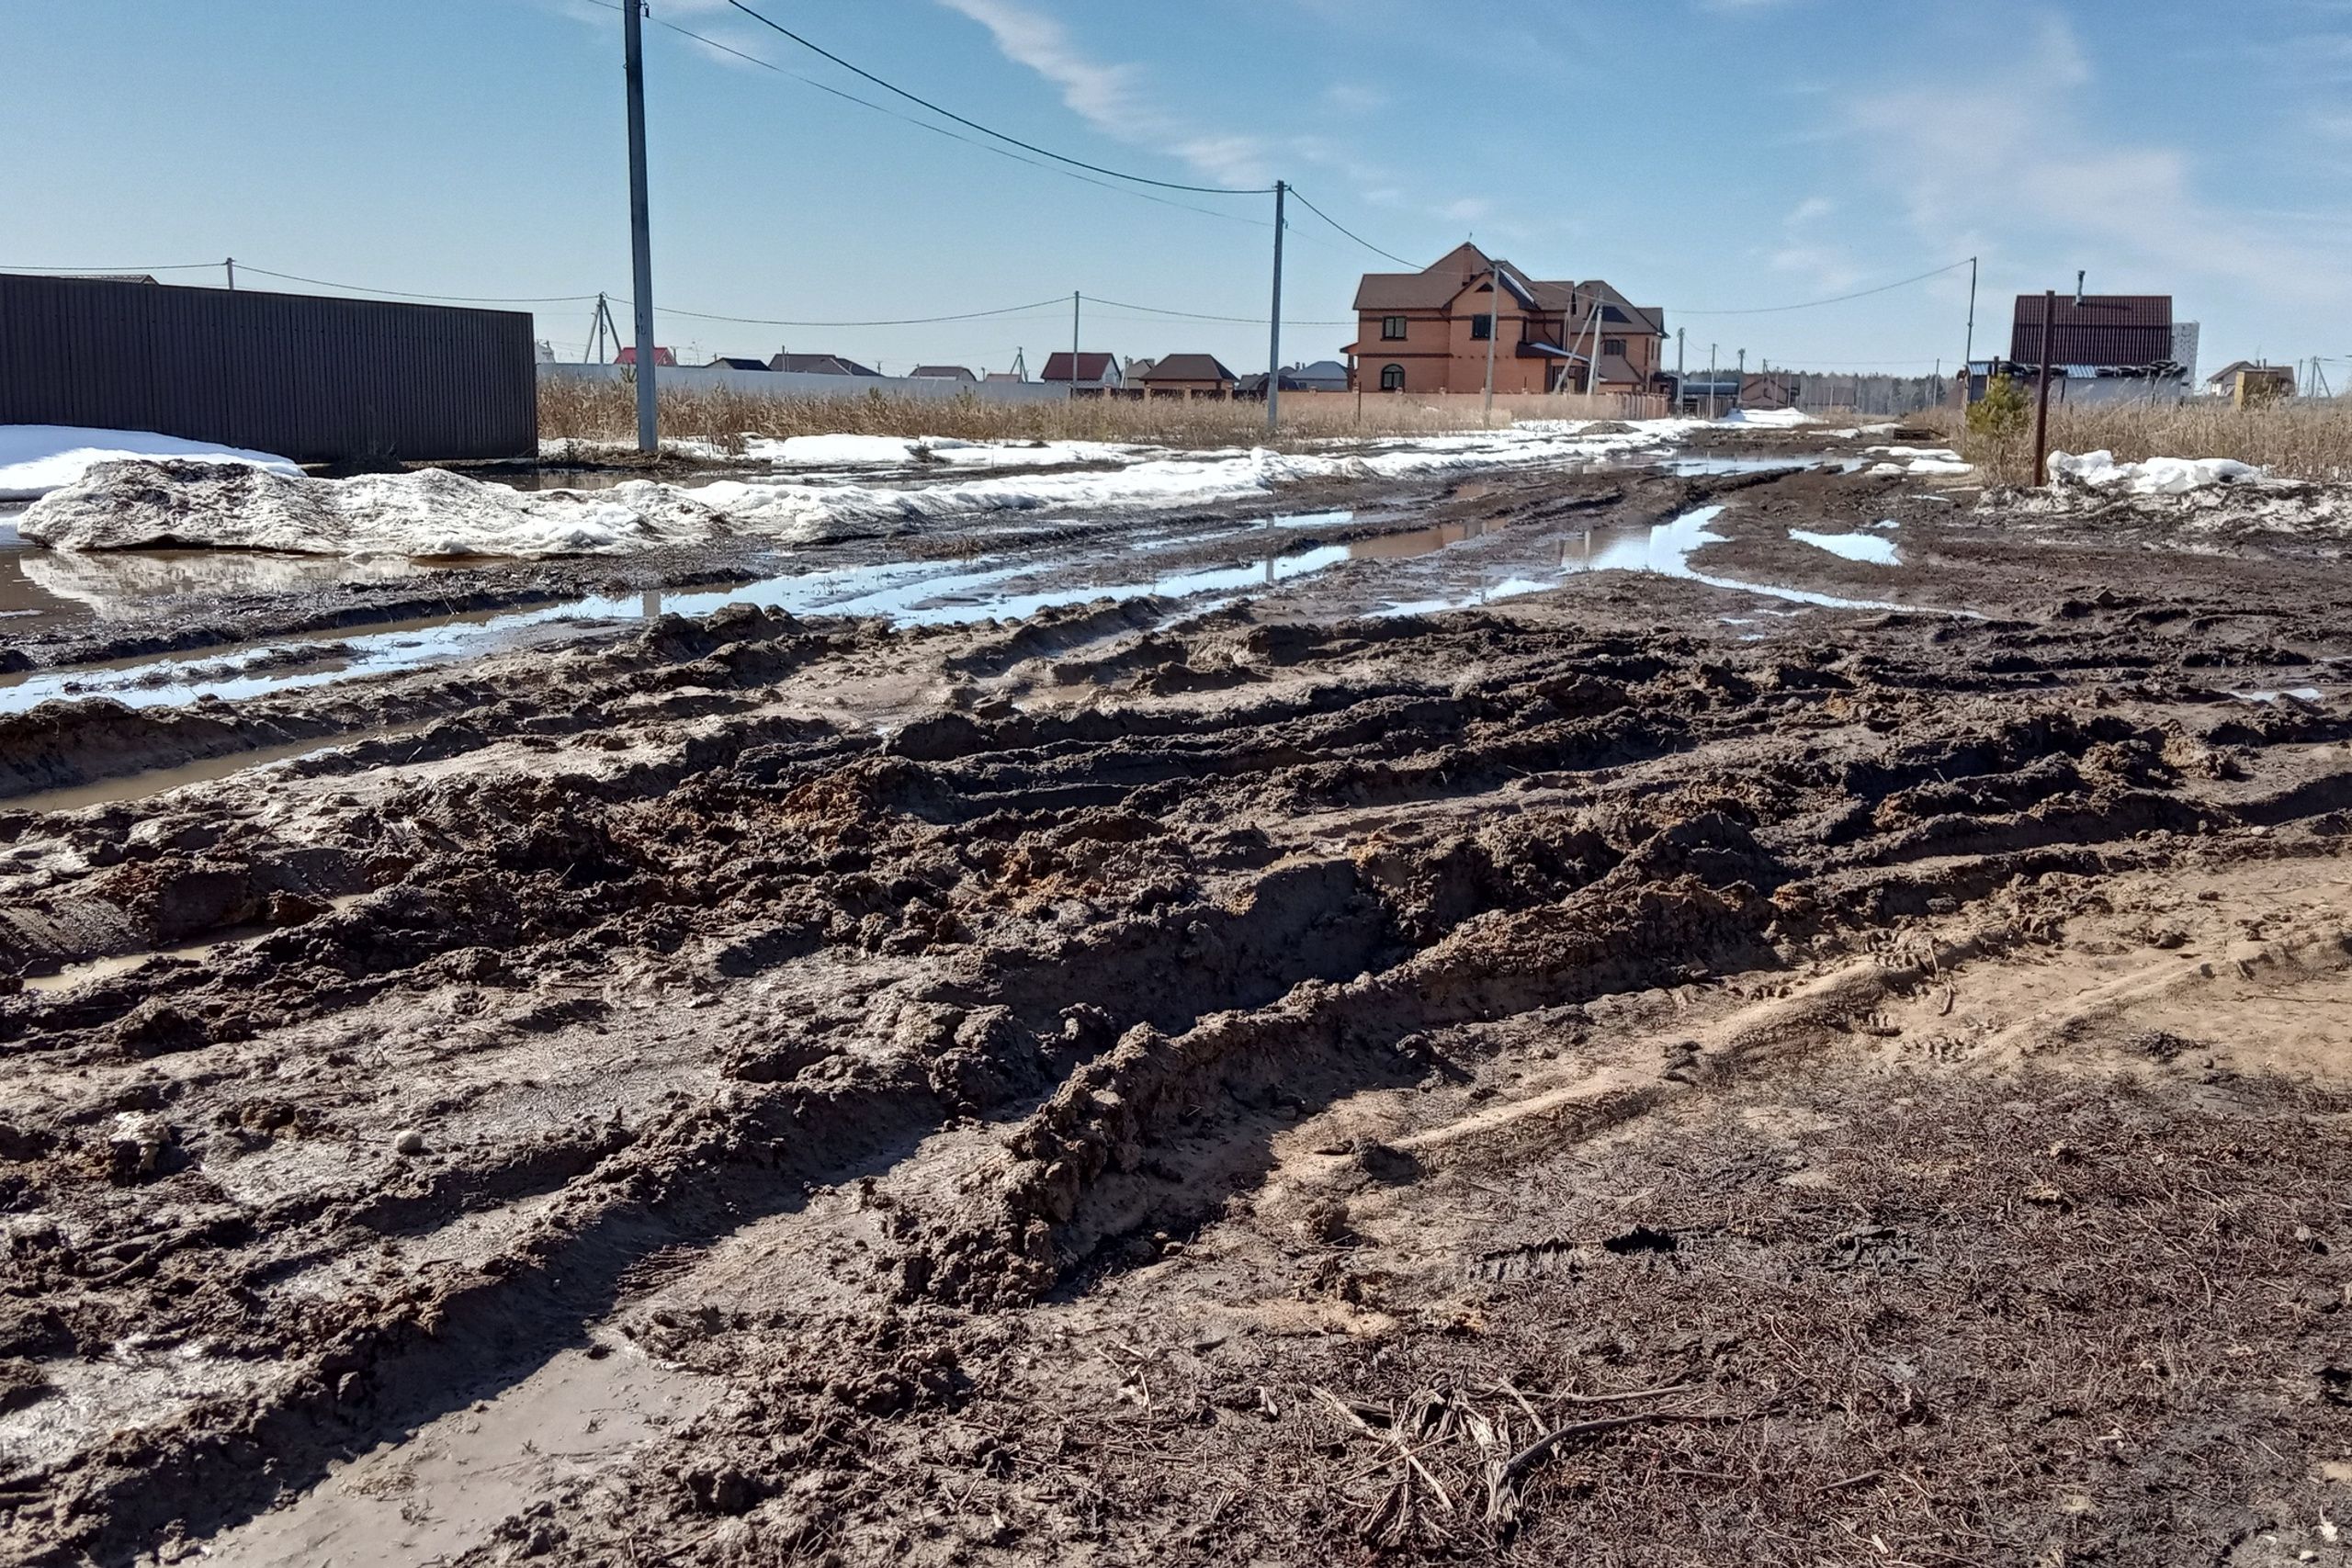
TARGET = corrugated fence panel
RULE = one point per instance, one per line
(315, 380)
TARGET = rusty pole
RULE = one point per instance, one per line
(2041, 399)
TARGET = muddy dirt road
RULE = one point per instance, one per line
(1621, 1033)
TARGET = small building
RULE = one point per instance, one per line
(819, 365)
(661, 357)
(2245, 381)
(730, 361)
(1189, 376)
(1323, 376)
(943, 373)
(1132, 372)
(2103, 348)
(1437, 331)
(1098, 372)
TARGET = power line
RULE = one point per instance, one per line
(826, 88)
(400, 294)
(1350, 233)
(985, 130)
(1838, 299)
(904, 322)
(175, 267)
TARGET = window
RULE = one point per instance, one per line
(1392, 329)
(1615, 345)
(1392, 377)
(1482, 326)
(1612, 313)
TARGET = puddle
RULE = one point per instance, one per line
(162, 781)
(438, 1494)
(1873, 548)
(1664, 551)
(106, 968)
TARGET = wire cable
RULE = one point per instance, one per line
(1836, 299)
(399, 294)
(904, 322)
(1350, 233)
(986, 130)
(94, 271)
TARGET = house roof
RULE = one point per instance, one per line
(2104, 329)
(729, 362)
(819, 365)
(1091, 367)
(1438, 284)
(1189, 367)
(942, 373)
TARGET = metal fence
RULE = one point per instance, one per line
(315, 380)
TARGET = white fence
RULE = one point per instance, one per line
(797, 384)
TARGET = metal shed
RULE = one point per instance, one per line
(316, 379)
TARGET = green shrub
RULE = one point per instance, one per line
(2001, 411)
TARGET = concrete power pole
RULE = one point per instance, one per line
(640, 226)
(1968, 377)
(1274, 331)
(1494, 330)
(1073, 345)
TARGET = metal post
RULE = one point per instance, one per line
(231, 265)
(1494, 330)
(1713, 382)
(1968, 354)
(1073, 342)
(1680, 333)
(2041, 399)
(1274, 329)
(640, 226)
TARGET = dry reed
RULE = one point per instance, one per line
(607, 414)
(2309, 439)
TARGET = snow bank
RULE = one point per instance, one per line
(2157, 476)
(37, 458)
(1918, 460)
(137, 505)
(179, 505)
(1778, 419)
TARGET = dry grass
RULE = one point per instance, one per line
(2305, 439)
(606, 412)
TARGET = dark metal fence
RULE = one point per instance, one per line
(315, 380)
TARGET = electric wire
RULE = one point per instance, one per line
(1350, 233)
(986, 130)
(1835, 299)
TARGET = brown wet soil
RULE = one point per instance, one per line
(1638, 1072)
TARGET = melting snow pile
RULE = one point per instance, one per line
(1916, 460)
(178, 504)
(1778, 419)
(135, 505)
(2157, 476)
(37, 458)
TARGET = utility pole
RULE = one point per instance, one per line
(1274, 329)
(1073, 343)
(640, 226)
(1968, 354)
(2041, 399)
(1494, 330)
(1712, 382)
(231, 265)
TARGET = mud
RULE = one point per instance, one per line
(1636, 1071)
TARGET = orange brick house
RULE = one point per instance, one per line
(1428, 331)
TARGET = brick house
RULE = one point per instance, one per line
(1428, 330)
(1188, 375)
(1095, 371)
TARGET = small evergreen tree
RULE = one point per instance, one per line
(2001, 411)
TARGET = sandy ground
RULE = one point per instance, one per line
(1636, 1071)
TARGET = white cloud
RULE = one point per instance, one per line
(1110, 98)
(1997, 158)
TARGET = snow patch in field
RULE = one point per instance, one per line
(1872, 549)
(158, 505)
(144, 505)
(2157, 476)
(37, 458)
(1774, 419)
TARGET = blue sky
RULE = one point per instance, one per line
(1705, 155)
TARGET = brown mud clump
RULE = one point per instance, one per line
(1846, 1067)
